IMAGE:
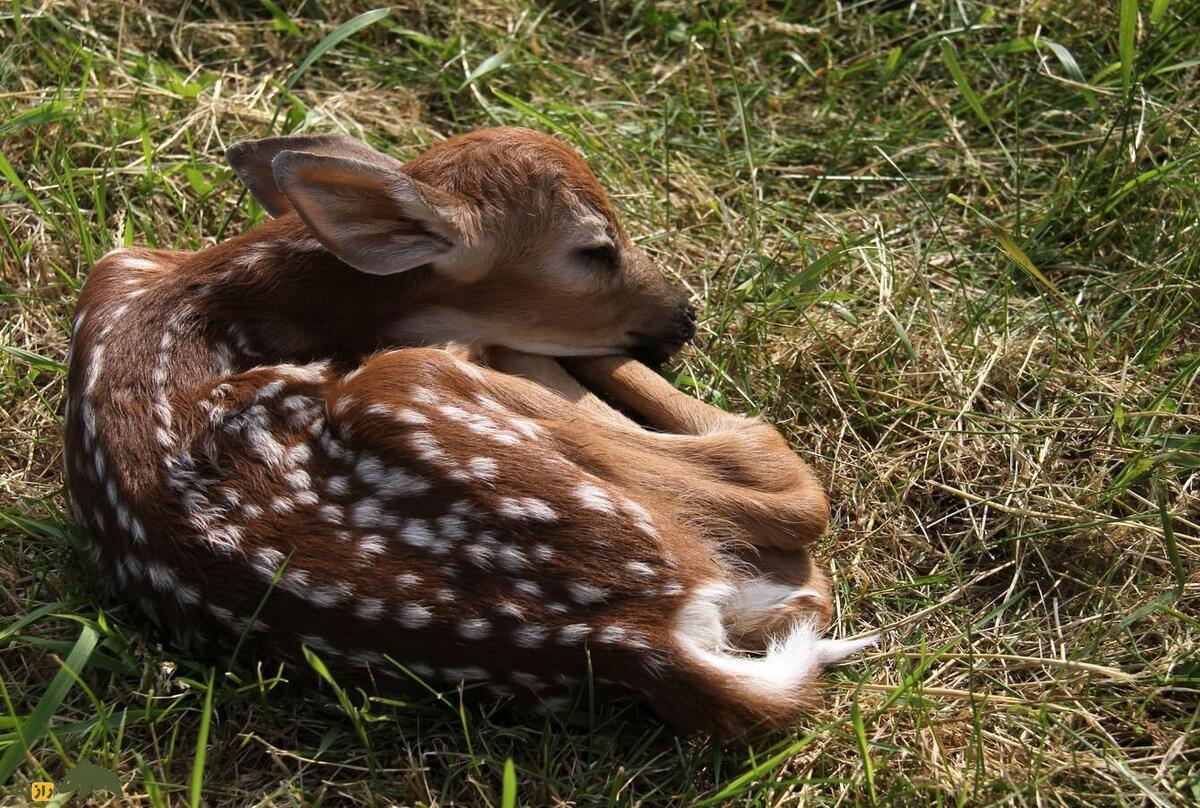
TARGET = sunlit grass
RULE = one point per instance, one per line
(950, 248)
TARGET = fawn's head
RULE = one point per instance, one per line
(519, 243)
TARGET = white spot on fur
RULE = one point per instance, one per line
(161, 577)
(266, 562)
(573, 633)
(95, 368)
(471, 371)
(370, 513)
(298, 480)
(474, 629)
(319, 644)
(511, 558)
(479, 554)
(452, 528)
(585, 594)
(295, 581)
(525, 426)
(413, 615)
(641, 517)
(326, 596)
(410, 416)
(595, 498)
(368, 608)
(427, 448)
(483, 468)
(511, 609)
(640, 569)
(417, 533)
(471, 673)
(479, 424)
(522, 508)
(370, 547)
(529, 636)
(421, 669)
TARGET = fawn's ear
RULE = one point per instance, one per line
(375, 218)
(251, 160)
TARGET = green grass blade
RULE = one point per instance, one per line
(1158, 10)
(1148, 176)
(1066, 59)
(1018, 256)
(347, 29)
(757, 771)
(35, 360)
(50, 112)
(196, 782)
(9, 631)
(1127, 40)
(1169, 542)
(950, 59)
(282, 21)
(508, 796)
(902, 333)
(864, 749)
(486, 67)
(10, 174)
(34, 726)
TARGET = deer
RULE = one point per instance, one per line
(410, 424)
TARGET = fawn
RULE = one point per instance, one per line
(261, 442)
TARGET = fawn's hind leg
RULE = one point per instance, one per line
(772, 589)
(752, 477)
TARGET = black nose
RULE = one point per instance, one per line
(685, 322)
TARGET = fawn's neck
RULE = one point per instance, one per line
(294, 301)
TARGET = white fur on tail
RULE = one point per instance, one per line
(790, 663)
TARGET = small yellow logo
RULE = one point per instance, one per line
(41, 792)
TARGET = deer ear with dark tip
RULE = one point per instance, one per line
(251, 161)
(375, 218)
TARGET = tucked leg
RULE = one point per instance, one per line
(636, 386)
(754, 479)
(547, 372)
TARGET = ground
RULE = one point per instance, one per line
(951, 248)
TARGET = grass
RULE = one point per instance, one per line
(951, 248)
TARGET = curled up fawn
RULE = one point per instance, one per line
(347, 430)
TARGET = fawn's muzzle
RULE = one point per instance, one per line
(655, 347)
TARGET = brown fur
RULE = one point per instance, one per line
(406, 502)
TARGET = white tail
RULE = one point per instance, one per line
(251, 430)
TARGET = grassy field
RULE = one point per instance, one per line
(951, 248)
